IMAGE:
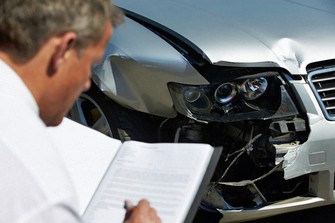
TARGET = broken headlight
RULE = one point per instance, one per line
(259, 96)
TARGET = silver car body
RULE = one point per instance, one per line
(293, 35)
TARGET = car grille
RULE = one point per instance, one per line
(323, 85)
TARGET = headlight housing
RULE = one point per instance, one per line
(258, 96)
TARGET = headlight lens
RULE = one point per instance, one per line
(192, 94)
(254, 88)
(247, 98)
(196, 99)
(225, 93)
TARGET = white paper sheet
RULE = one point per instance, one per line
(168, 175)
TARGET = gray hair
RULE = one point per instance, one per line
(26, 24)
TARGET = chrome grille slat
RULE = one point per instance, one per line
(324, 79)
(326, 89)
(323, 84)
(328, 99)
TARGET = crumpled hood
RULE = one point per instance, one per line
(287, 33)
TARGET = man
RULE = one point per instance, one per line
(47, 48)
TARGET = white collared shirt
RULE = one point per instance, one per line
(35, 185)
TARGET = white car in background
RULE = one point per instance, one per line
(254, 77)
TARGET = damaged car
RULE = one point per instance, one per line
(256, 78)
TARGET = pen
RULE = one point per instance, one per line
(128, 205)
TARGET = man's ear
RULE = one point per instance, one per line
(62, 46)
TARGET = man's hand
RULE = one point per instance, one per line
(142, 213)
